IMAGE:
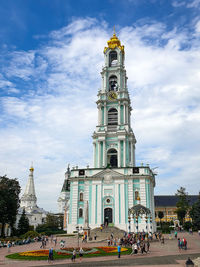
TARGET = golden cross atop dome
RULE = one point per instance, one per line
(31, 168)
(114, 42)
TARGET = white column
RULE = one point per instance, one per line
(104, 153)
(124, 114)
(100, 117)
(99, 114)
(130, 199)
(127, 114)
(99, 204)
(119, 112)
(93, 203)
(122, 202)
(133, 155)
(75, 204)
(105, 81)
(94, 154)
(116, 203)
(99, 154)
(124, 141)
(131, 144)
(105, 115)
(119, 154)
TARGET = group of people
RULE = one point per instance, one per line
(80, 252)
(182, 243)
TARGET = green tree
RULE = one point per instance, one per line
(9, 201)
(182, 204)
(160, 216)
(52, 224)
(195, 214)
(23, 225)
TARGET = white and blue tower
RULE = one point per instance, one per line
(114, 185)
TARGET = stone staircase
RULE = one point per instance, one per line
(106, 233)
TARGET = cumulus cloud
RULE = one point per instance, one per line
(50, 118)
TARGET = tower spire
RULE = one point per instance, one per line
(29, 196)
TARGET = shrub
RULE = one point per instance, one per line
(187, 226)
(31, 234)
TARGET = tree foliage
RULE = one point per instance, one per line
(52, 223)
(182, 204)
(195, 214)
(23, 225)
(9, 201)
(160, 216)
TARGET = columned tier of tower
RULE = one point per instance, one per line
(29, 197)
(114, 140)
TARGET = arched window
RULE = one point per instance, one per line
(137, 196)
(80, 213)
(112, 119)
(112, 157)
(81, 197)
(112, 58)
(113, 83)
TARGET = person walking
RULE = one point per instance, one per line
(8, 246)
(175, 234)
(133, 246)
(179, 244)
(119, 250)
(50, 258)
(74, 255)
(81, 254)
(95, 236)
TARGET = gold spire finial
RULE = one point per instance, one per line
(114, 30)
(31, 168)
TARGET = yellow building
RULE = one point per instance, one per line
(167, 204)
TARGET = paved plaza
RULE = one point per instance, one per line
(160, 254)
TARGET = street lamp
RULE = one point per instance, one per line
(77, 228)
(129, 224)
(151, 223)
(136, 218)
(146, 223)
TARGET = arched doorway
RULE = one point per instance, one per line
(108, 216)
(112, 157)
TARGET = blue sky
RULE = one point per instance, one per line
(50, 62)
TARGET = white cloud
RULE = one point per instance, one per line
(51, 120)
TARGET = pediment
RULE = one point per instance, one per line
(108, 172)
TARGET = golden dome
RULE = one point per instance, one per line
(31, 169)
(114, 42)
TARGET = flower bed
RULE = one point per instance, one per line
(35, 253)
(67, 253)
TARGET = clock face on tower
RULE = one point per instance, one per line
(112, 96)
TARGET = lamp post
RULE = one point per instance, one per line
(136, 218)
(129, 224)
(77, 228)
(151, 223)
(146, 218)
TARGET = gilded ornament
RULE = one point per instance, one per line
(113, 43)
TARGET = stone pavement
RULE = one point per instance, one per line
(165, 255)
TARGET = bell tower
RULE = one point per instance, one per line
(114, 140)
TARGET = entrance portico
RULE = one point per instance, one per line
(108, 216)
